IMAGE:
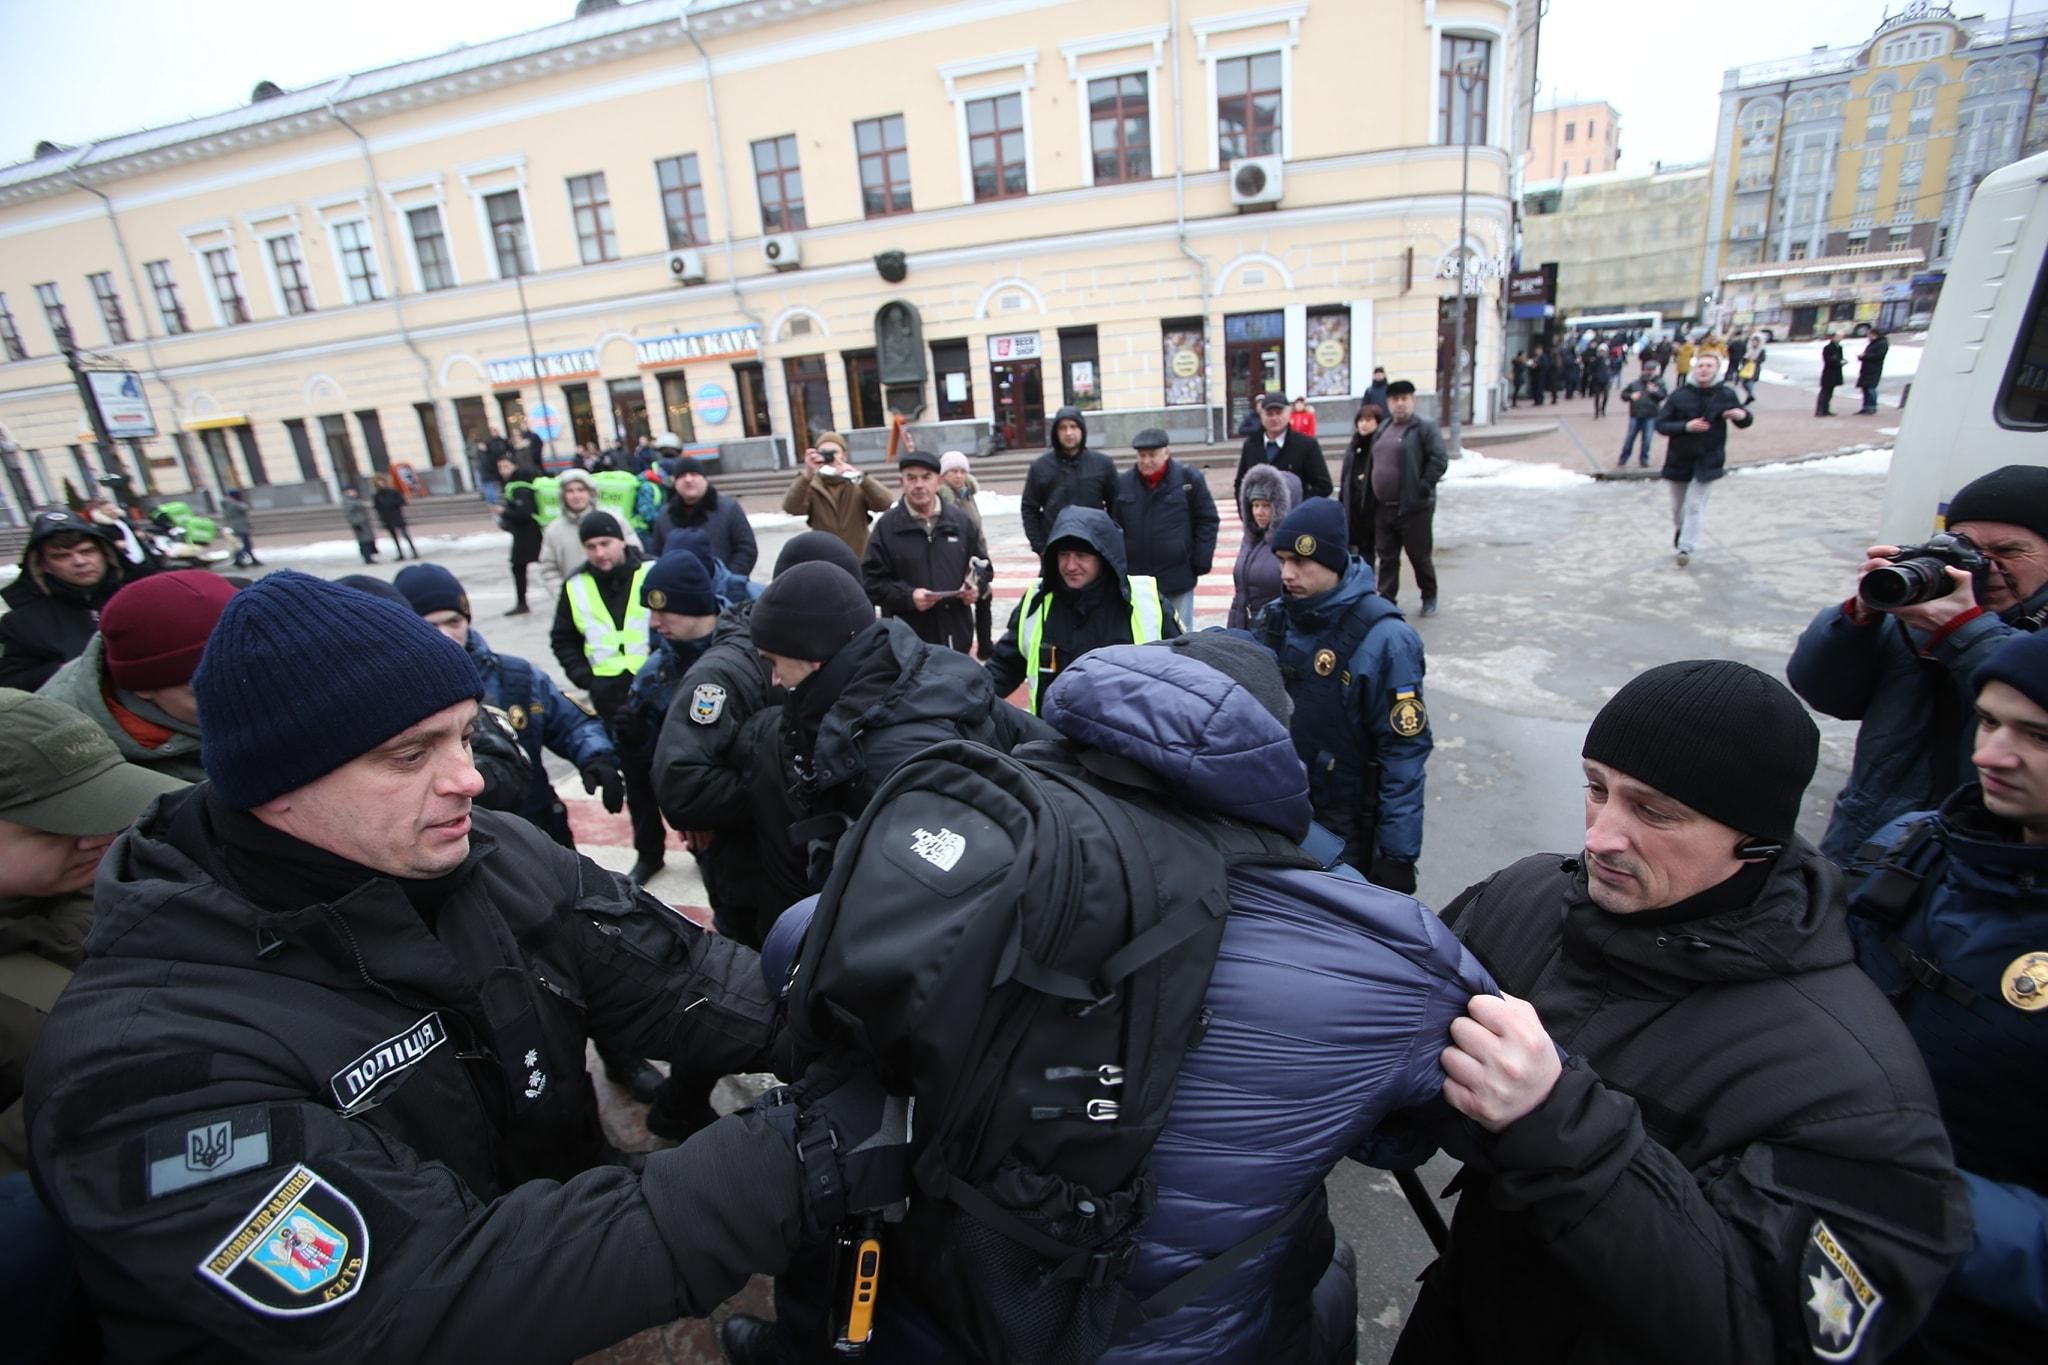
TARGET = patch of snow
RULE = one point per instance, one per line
(1473, 467)
(1856, 464)
(320, 550)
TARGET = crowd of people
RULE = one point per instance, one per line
(1718, 1092)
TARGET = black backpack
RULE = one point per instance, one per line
(1021, 943)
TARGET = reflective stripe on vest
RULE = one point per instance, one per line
(612, 649)
(1147, 616)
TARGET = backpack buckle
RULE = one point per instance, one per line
(1102, 1111)
(1107, 1267)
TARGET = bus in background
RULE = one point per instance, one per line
(1980, 399)
(1650, 325)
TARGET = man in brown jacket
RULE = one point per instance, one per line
(834, 497)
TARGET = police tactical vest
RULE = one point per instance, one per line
(612, 648)
(1147, 619)
(1329, 725)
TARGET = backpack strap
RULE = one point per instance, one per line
(1886, 884)
(1211, 1272)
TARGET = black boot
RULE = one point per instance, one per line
(518, 609)
(645, 868)
(748, 1340)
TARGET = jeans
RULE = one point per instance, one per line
(1648, 427)
(1183, 604)
(247, 553)
(1689, 511)
(1869, 397)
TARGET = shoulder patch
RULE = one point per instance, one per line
(197, 1151)
(303, 1249)
(1842, 1300)
(1407, 717)
(707, 704)
(395, 1054)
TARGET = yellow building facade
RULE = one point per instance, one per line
(1841, 177)
(691, 218)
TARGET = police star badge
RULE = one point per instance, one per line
(304, 1249)
(1843, 1300)
(2024, 982)
(1326, 659)
(707, 704)
(657, 600)
(1407, 716)
(1304, 546)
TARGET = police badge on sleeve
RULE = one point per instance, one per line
(707, 704)
(303, 1249)
(1842, 1300)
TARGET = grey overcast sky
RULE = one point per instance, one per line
(81, 69)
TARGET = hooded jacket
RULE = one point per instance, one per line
(48, 621)
(561, 540)
(1256, 575)
(1741, 1122)
(284, 1014)
(904, 555)
(1979, 914)
(723, 521)
(1097, 615)
(83, 685)
(1916, 696)
(1056, 480)
(838, 506)
(1169, 530)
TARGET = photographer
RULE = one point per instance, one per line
(834, 497)
(1906, 673)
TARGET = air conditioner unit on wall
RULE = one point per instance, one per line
(686, 267)
(780, 251)
(1255, 181)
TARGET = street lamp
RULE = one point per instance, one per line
(508, 241)
(1469, 71)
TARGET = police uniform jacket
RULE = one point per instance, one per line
(1914, 693)
(1354, 668)
(1742, 1161)
(1953, 964)
(543, 718)
(1701, 455)
(905, 554)
(291, 1109)
(615, 588)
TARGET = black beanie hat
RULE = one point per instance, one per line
(431, 588)
(376, 587)
(679, 583)
(2022, 663)
(809, 612)
(1729, 741)
(816, 547)
(2016, 494)
(1316, 530)
(595, 524)
(1239, 656)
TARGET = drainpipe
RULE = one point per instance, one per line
(732, 273)
(1180, 204)
(148, 333)
(375, 206)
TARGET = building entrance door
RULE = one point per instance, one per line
(1803, 320)
(629, 412)
(1020, 403)
(1254, 361)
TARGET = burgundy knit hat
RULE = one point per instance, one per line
(155, 628)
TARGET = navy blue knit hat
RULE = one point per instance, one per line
(431, 588)
(2022, 663)
(1316, 530)
(678, 582)
(302, 675)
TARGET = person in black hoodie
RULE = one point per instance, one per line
(520, 514)
(1276, 443)
(68, 571)
(1069, 474)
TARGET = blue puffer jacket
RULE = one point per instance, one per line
(543, 717)
(1917, 706)
(1299, 1063)
(1985, 909)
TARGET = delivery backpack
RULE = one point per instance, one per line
(1021, 944)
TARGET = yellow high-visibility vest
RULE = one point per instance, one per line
(612, 648)
(1147, 616)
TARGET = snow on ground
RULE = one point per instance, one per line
(1474, 467)
(1859, 464)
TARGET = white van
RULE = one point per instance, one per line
(1980, 398)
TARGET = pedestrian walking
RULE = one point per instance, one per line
(1830, 376)
(1753, 366)
(1169, 521)
(236, 514)
(520, 515)
(1645, 399)
(1597, 380)
(1408, 461)
(359, 524)
(390, 503)
(1870, 369)
(1696, 418)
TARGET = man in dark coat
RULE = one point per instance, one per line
(1708, 1136)
(1086, 597)
(1069, 474)
(1830, 376)
(921, 564)
(1955, 937)
(694, 502)
(69, 569)
(318, 1088)
(520, 514)
(1870, 370)
(1276, 443)
(1169, 521)
(1399, 496)
(1696, 417)
(1645, 399)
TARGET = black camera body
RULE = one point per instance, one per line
(1917, 573)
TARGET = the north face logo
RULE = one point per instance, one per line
(941, 850)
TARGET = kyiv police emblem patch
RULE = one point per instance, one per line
(1407, 716)
(1326, 662)
(707, 704)
(1843, 1301)
(302, 1250)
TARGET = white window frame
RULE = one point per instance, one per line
(336, 212)
(1154, 38)
(1022, 86)
(213, 235)
(481, 179)
(1496, 92)
(1242, 21)
(401, 197)
(264, 226)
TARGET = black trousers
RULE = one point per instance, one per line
(650, 833)
(1415, 533)
(519, 581)
(1825, 406)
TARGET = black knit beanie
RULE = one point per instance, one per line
(2016, 495)
(596, 524)
(2021, 663)
(1239, 656)
(812, 547)
(809, 611)
(1729, 741)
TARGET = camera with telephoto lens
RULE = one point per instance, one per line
(1918, 573)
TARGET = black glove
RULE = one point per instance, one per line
(851, 1138)
(1393, 874)
(603, 771)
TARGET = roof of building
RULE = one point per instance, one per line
(1826, 61)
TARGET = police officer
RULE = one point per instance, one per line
(1950, 918)
(317, 1089)
(682, 611)
(601, 636)
(1085, 598)
(541, 715)
(1354, 667)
